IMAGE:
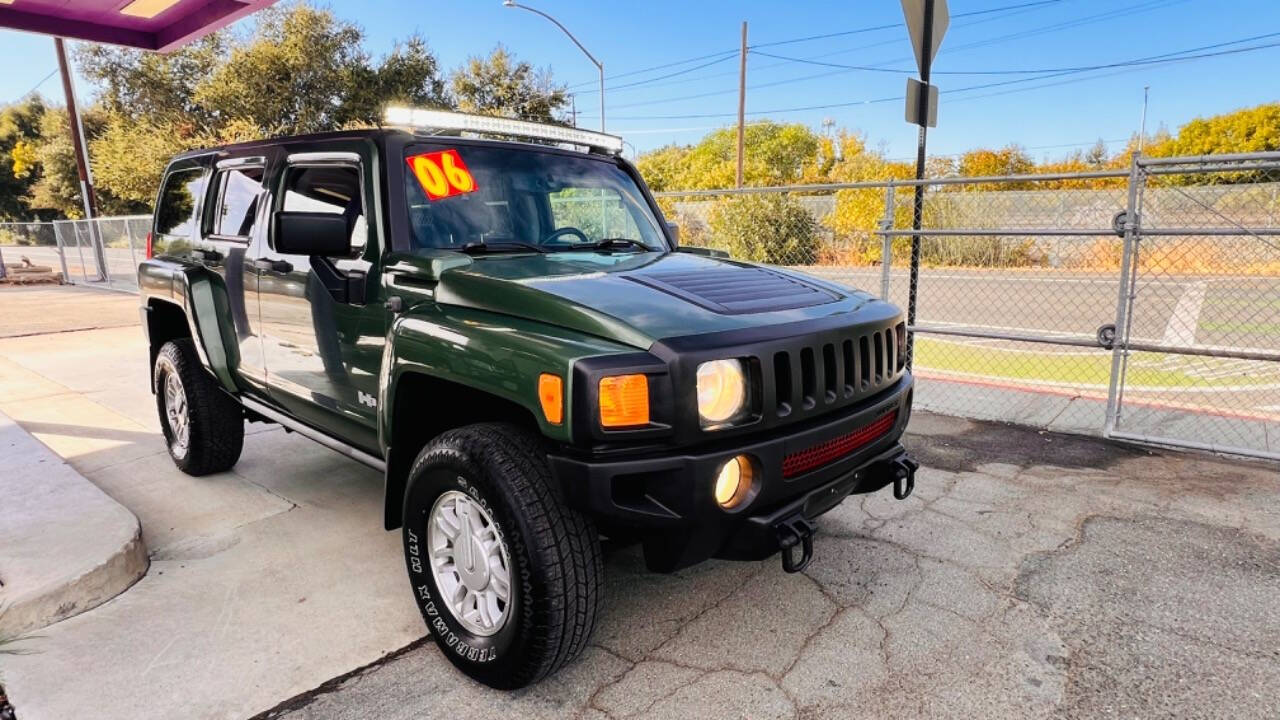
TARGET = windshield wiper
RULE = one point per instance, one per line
(610, 243)
(479, 247)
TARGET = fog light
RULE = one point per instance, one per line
(735, 482)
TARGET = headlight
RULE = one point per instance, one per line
(722, 391)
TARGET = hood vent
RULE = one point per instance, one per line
(736, 290)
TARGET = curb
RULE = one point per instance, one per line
(65, 546)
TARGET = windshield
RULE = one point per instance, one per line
(463, 195)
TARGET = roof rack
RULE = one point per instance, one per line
(441, 122)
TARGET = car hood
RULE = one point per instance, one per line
(638, 298)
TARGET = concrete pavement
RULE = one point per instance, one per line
(65, 547)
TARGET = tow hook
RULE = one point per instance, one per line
(795, 530)
(904, 476)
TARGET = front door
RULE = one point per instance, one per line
(323, 350)
(230, 231)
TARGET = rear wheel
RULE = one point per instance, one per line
(203, 426)
(508, 578)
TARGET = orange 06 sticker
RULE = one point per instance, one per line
(442, 174)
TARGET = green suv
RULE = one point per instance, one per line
(510, 333)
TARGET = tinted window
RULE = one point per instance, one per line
(328, 189)
(239, 191)
(524, 196)
(176, 213)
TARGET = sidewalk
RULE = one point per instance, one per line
(65, 546)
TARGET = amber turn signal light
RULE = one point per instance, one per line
(551, 395)
(624, 401)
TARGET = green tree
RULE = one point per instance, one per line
(501, 85)
(19, 162)
(773, 228)
(294, 75)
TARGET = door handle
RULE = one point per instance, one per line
(269, 265)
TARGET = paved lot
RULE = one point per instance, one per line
(1031, 575)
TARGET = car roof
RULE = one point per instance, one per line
(376, 134)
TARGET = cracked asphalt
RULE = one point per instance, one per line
(1030, 575)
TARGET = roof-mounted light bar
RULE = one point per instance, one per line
(418, 119)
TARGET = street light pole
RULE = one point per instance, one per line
(599, 65)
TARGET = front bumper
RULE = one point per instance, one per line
(666, 498)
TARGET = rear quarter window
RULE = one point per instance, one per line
(176, 210)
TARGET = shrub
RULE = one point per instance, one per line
(772, 228)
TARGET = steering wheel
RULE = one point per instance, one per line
(561, 232)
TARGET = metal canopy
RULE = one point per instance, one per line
(160, 25)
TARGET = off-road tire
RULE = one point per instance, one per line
(215, 420)
(556, 566)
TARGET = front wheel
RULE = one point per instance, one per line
(508, 578)
(203, 426)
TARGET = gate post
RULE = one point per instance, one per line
(1125, 295)
(886, 250)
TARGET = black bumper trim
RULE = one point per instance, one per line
(667, 499)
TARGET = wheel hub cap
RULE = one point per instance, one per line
(470, 563)
(175, 406)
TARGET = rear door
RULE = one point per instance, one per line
(231, 227)
(324, 347)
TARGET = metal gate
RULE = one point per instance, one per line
(1197, 356)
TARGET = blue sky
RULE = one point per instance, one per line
(1050, 117)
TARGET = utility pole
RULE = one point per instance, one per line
(573, 103)
(1142, 129)
(742, 99)
(82, 158)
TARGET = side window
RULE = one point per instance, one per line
(331, 189)
(175, 215)
(238, 192)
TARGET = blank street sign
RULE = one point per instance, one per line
(913, 10)
(913, 103)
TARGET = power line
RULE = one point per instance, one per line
(642, 85)
(1165, 59)
(1079, 68)
(1025, 7)
(788, 41)
(37, 85)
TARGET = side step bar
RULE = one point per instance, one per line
(310, 433)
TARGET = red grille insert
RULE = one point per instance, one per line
(823, 453)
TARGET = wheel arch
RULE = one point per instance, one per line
(413, 417)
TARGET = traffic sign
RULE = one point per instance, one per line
(915, 10)
(914, 115)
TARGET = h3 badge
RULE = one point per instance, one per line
(366, 399)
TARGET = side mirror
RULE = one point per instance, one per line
(674, 229)
(311, 233)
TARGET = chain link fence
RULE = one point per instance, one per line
(1141, 304)
(102, 252)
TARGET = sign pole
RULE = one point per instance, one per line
(917, 209)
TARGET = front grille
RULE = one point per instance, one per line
(825, 453)
(837, 369)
